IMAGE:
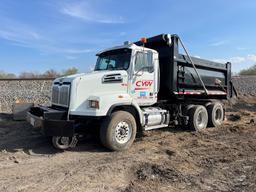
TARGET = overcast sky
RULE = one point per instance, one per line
(36, 35)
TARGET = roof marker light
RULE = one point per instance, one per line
(143, 40)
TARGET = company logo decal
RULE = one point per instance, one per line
(143, 84)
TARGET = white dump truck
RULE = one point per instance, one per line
(136, 87)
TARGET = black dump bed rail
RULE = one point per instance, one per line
(179, 78)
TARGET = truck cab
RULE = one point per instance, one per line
(121, 94)
(124, 75)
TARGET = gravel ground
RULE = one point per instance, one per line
(39, 91)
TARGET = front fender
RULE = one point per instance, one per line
(133, 105)
(107, 102)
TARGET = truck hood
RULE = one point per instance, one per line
(95, 84)
(69, 78)
(93, 74)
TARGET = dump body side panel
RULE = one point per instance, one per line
(178, 78)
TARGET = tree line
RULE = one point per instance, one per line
(249, 71)
(51, 73)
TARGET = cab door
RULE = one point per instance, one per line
(143, 82)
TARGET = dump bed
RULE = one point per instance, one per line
(178, 77)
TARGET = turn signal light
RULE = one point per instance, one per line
(94, 104)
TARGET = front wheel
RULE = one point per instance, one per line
(118, 131)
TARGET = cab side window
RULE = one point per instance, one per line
(143, 62)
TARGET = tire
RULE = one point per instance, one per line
(61, 142)
(118, 131)
(198, 118)
(216, 114)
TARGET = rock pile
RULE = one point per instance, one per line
(245, 85)
(30, 91)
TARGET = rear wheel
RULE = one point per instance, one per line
(216, 114)
(198, 118)
(118, 131)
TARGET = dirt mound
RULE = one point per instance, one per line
(152, 172)
(233, 117)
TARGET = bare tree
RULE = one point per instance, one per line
(51, 74)
(70, 71)
(29, 75)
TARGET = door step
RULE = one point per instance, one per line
(155, 127)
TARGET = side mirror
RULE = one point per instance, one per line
(141, 70)
(150, 69)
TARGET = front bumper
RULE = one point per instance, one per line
(51, 122)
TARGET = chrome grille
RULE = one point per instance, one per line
(55, 94)
(64, 95)
(61, 94)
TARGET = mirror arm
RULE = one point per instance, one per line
(136, 74)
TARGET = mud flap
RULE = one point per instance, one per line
(58, 128)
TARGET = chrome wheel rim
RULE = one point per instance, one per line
(218, 115)
(123, 132)
(200, 120)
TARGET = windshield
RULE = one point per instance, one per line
(114, 60)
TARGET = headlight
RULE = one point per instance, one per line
(94, 104)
